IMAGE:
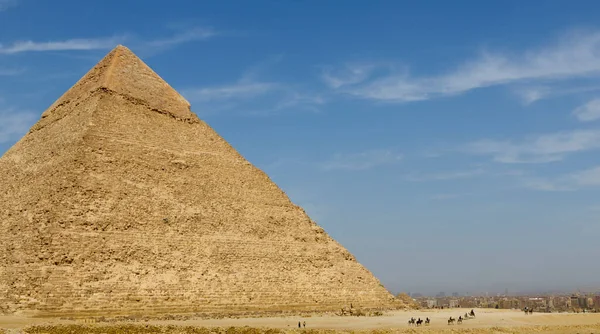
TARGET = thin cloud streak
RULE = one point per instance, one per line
(6, 4)
(67, 45)
(586, 178)
(441, 197)
(574, 55)
(15, 124)
(589, 111)
(542, 148)
(106, 43)
(446, 175)
(239, 90)
(195, 34)
(350, 74)
(259, 97)
(256, 98)
(541, 184)
(533, 94)
(11, 71)
(362, 160)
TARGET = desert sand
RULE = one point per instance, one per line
(487, 321)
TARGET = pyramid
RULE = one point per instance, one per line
(120, 200)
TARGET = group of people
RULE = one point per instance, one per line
(427, 321)
(418, 322)
(301, 324)
(460, 318)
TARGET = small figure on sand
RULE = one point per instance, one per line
(299, 325)
(304, 324)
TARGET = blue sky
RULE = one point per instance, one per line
(451, 146)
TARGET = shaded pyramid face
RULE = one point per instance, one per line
(120, 200)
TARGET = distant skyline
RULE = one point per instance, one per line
(495, 292)
(450, 146)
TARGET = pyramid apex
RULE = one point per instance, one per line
(122, 48)
(122, 72)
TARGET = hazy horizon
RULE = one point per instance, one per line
(450, 146)
(497, 291)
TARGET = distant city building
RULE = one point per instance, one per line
(431, 303)
(454, 294)
(441, 294)
(538, 302)
(574, 301)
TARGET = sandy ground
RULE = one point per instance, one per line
(392, 320)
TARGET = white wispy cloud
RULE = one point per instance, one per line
(349, 74)
(361, 161)
(464, 174)
(11, 71)
(238, 90)
(15, 123)
(542, 184)
(294, 98)
(106, 43)
(248, 86)
(193, 34)
(440, 197)
(541, 148)
(576, 54)
(253, 95)
(569, 182)
(252, 98)
(531, 94)
(66, 45)
(6, 4)
(589, 111)
(588, 177)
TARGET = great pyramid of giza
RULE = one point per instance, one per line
(120, 200)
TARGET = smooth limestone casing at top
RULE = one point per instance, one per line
(120, 200)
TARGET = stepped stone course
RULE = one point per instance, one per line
(120, 200)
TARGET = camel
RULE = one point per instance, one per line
(419, 322)
(427, 321)
(451, 320)
(472, 313)
(411, 321)
(460, 319)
